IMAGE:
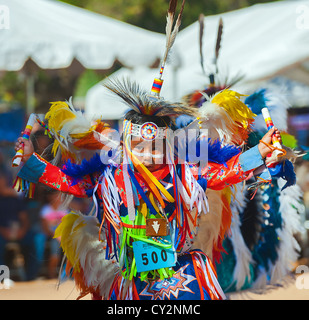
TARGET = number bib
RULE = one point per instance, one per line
(150, 257)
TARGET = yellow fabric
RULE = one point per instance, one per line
(152, 201)
(143, 209)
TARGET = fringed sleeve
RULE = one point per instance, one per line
(36, 169)
(235, 170)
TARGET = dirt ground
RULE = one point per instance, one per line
(48, 290)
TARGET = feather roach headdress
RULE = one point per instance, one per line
(138, 99)
(141, 102)
(151, 104)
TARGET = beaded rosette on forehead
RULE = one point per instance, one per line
(147, 131)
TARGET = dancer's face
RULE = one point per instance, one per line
(150, 153)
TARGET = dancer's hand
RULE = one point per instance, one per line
(26, 145)
(272, 135)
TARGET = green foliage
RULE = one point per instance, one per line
(87, 80)
(150, 14)
(13, 88)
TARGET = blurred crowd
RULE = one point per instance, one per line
(27, 226)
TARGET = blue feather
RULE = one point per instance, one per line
(78, 171)
(221, 154)
(284, 170)
(215, 151)
(257, 101)
(183, 121)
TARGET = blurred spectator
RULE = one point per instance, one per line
(51, 215)
(34, 207)
(80, 205)
(42, 144)
(15, 227)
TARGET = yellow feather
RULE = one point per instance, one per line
(238, 111)
(59, 113)
(55, 147)
(289, 140)
(64, 232)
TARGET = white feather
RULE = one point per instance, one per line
(99, 273)
(219, 124)
(290, 207)
(277, 105)
(242, 253)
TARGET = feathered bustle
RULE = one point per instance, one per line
(226, 117)
(72, 130)
(86, 253)
(277, 105)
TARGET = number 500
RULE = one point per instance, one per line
(154, 257)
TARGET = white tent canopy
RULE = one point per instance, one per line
(53, 33)
(259, 42)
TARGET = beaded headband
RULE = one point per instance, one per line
(147, 131)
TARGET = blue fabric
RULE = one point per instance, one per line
(181, 286)
(32, 170)
(251, 159)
